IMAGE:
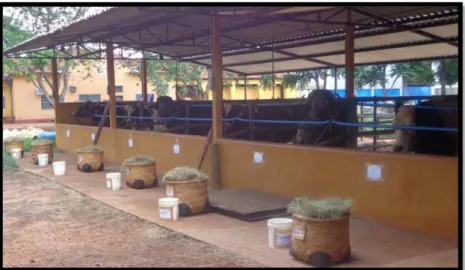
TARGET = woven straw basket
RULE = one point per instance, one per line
(16, 144)
(42, 149)
(141, 176)
(90, 161)
(192, 195)
(320, 242)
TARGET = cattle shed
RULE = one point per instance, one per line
(413, 192)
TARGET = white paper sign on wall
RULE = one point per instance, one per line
(93, 136)
(257, 157)
(130, 143)
(176, 147)
(68, 133)
(374, 172)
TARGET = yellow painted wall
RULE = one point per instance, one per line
(254, 91)
(27, 105)
(7, 97)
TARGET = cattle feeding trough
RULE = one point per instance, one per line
(391, 188)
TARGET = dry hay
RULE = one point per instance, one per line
(328, 208)
(12, 139)
(41, 142)
(90, 148)
(184, 174)
(138, 160)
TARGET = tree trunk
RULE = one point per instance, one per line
(325, 77)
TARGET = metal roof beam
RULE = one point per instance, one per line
(361, 64)
(368, 49)
(388, 20)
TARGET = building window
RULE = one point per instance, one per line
(44, 103)
(150, 97)
(119, 98)
(93, 98)
(118, 89)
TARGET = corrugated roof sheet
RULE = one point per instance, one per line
(249, 32)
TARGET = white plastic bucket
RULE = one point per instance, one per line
(115, 180)
(16, 153)
(59, 167)
(42, 159)
(169, 208)
(279, 232)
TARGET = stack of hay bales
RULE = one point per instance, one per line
(140, 172)
(90, 159)
(189, 185)
(320, 235)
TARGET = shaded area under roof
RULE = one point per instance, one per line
(259, 40)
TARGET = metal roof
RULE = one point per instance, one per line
(258, 40)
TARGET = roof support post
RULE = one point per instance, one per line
(55, 90)
(349, 61)
(349, 64)
(111, 84)
(217, 74)
(143, 76)
(245, 87)
(442, 76)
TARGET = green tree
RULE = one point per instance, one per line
(452, 71)
(24, 22)
(420, 72)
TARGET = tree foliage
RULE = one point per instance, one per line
(25, 22)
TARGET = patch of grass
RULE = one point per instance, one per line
(9, 163)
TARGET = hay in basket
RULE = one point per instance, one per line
(41, 146)
(189, 185)
(140, 172)
(320, 235)
(12, 143)
(90, 159)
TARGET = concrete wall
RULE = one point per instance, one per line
(417, 193)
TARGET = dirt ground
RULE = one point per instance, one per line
(46, 224)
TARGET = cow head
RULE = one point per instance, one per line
(404, 117)
(165, 106)
(87, 109)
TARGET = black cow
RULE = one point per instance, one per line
(265, 132)
(90, 109)
(322, 105)
(428, 114)
(145, 111)
(167, 107)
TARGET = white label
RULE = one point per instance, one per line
(130, 142)
(165, 213)
(108, 183)
(374, 172)
(283, 239)
(176, 149)
(93, 136)
(257, 157)
(68, 133)
(298, 232)
(169, 191)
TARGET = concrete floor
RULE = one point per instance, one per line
(372, 245)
